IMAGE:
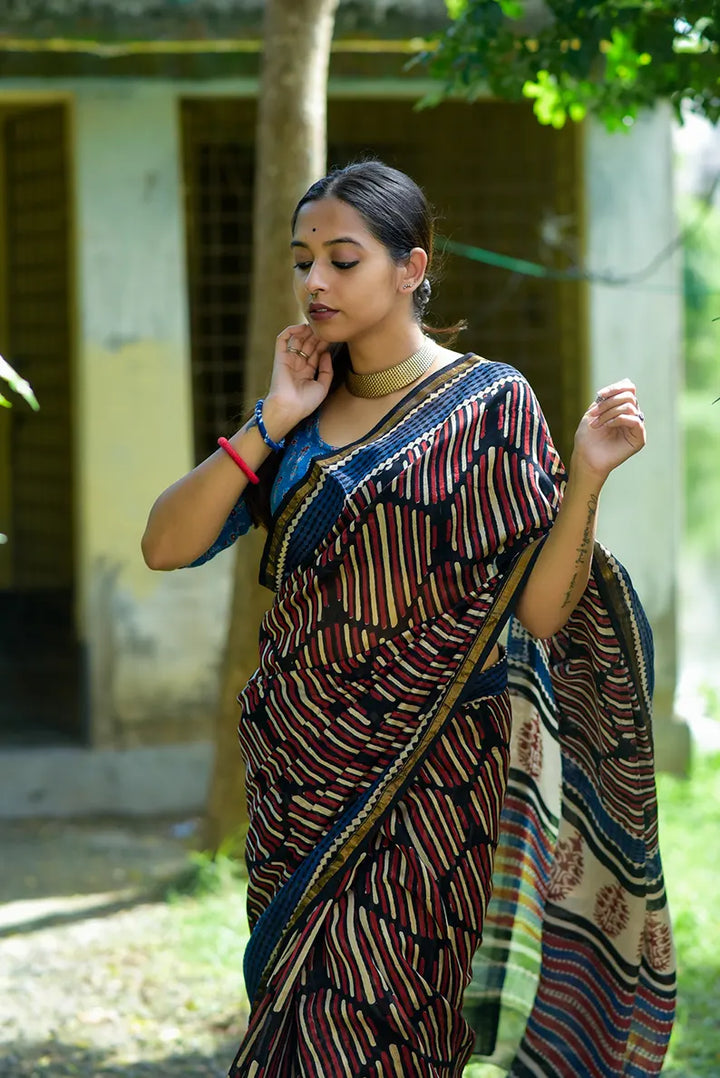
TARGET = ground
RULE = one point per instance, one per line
(106, 971)
(101, 975)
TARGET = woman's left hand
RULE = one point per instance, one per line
(612, 429)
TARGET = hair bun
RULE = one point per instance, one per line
(422, 295)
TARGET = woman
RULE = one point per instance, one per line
(413, 500)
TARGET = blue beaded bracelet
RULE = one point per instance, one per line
(263, 431)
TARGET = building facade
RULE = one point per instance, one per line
(126, 177)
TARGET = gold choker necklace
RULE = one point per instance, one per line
(380, 383)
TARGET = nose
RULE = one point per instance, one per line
(313, 282)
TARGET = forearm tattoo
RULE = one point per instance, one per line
(584, 548)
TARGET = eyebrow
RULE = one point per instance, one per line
(328, 243)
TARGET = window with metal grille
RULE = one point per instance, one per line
(219, 190)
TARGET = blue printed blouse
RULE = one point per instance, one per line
(300, 451)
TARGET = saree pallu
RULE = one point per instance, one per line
(378, 753)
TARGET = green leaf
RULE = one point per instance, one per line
(512, 9)
(456, 8)
(18, 385)
(430, 100)
(611, 58)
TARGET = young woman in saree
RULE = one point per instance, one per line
(414, 789)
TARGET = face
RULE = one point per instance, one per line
(345, 280)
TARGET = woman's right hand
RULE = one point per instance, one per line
(187, 517)
(301, 376)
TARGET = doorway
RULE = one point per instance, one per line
(40, 699)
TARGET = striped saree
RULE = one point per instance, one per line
(385, 768)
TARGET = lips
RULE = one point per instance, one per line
(318, 312)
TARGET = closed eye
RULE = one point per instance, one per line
(305, 266)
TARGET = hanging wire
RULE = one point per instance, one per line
(527, 268)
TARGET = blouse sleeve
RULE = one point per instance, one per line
(520, 477)
(238, 523)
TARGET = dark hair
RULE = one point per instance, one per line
(397, 213)
(393, 207)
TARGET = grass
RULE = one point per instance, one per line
(208, 904)
(212, 931)
(208, 935)
(689, 828)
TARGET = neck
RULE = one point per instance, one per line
(378, 354)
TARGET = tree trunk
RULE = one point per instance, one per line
(290, 155)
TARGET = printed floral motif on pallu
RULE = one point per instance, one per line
(568, 968)
(376, 749)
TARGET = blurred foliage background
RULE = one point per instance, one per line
(701, 418)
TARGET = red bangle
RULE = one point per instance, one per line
(245, 468)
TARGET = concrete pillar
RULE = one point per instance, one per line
(152, 639)
(635, 331)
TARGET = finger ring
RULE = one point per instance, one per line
(298, 352)
(599, 398)
(641, 415)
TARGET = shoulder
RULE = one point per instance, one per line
(483, 387)
(503, 404)
(495, 382)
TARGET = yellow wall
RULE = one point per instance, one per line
(151, 638)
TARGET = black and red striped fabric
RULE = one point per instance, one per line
(378, 749)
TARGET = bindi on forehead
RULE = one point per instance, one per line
(330, 243)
